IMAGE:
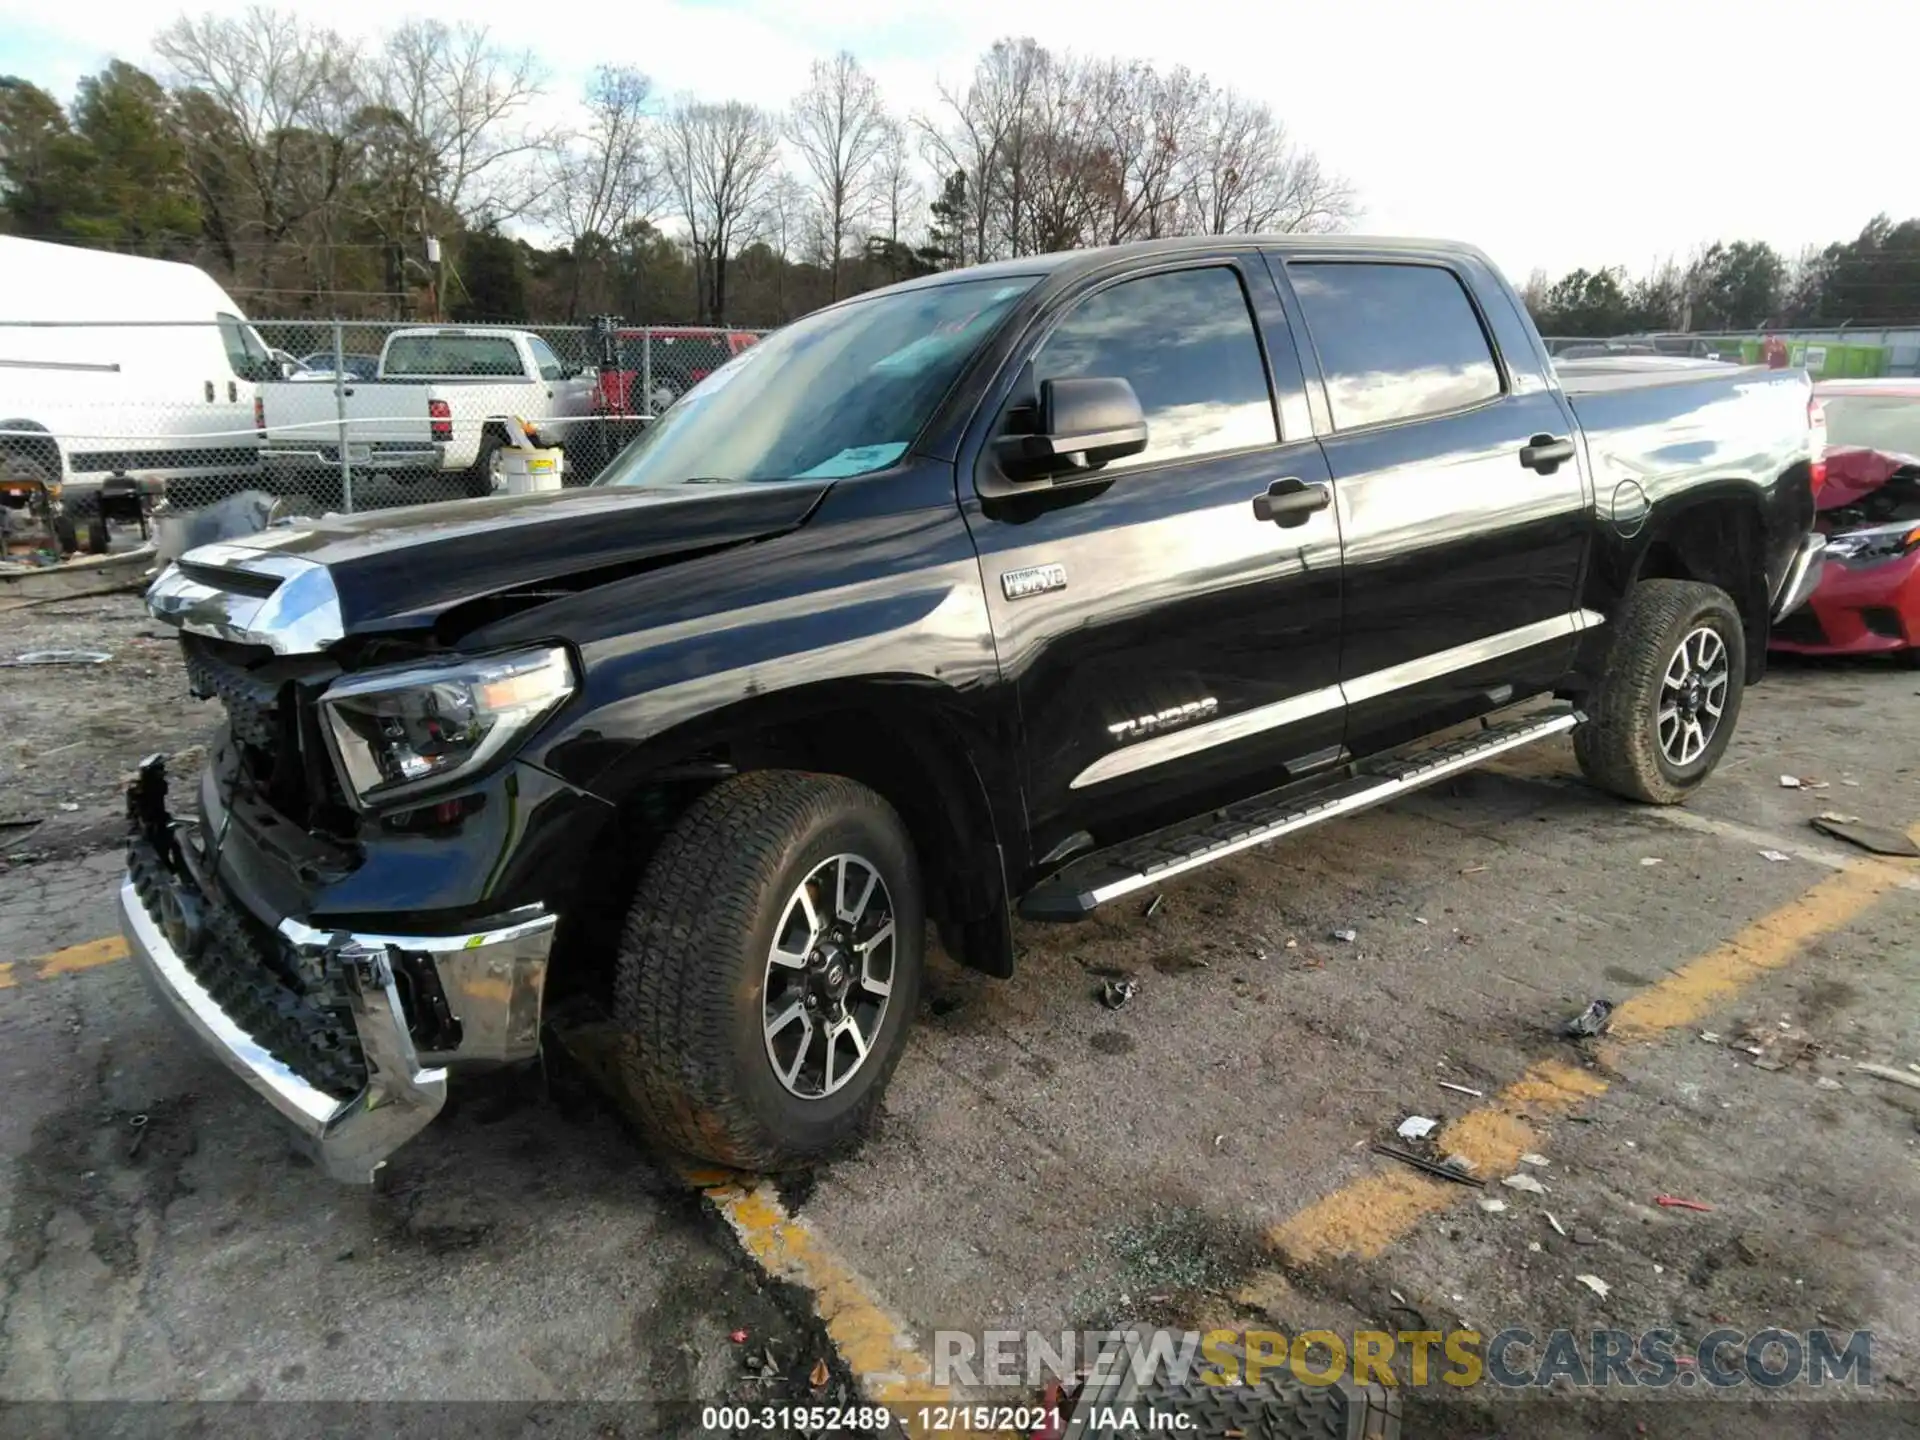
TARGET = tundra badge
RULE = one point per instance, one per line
(1034, 580)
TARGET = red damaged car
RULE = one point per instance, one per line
(1868, 599)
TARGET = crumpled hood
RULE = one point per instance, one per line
(1853, 473)
(402, 569)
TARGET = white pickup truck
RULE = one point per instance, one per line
(440, 404)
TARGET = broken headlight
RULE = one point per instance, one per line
(1876, 542)
(401, 731)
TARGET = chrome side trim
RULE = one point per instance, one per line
(301, 616)
(352, 1137)
(1802, 577)
(1180, 743)
(1175, 746)
(1465, 657)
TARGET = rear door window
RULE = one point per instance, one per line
(1396, 342)
(1185, 340)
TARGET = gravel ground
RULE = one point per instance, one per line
(1041, 1161)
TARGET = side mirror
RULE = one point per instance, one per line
(1082, 424)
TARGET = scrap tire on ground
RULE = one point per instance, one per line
(1626, 746)
(695, 968)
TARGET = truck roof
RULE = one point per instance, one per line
(1068, 264)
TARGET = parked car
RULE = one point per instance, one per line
(1868, 597)
(117, 365)
(319, 366)
(661, 363)
(1029, 587)
(441, 402)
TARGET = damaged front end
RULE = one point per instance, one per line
(1867, 598)
(346, 1030)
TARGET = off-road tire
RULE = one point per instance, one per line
(1619, 747)
(690, 968)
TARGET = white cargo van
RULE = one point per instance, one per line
(120, 365)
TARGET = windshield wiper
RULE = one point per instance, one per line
(708, 480)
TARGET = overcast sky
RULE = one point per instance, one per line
(1554, 133)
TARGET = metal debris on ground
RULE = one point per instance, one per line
(70, 806)
(1460, 1163)
(1712, 1037)
(1651, 860)
(1777, 1047)
(1827, 1082)
(138, 1124)
(1776, 856)
(1596, 1285)
(1153, 907)
(1875, 839)
(817, 1377)
(57, 657)
(1789, 782)
(1431, 1167)
(1674, 1202)
(1532, 1159)
(1463, 1089)
(1347, 936)
(1589, 1022)
(1115, 993)
(1558, 1228)
(1887, 1072)
(1417, 1127)
(1834, 817)
(1524, 1182)
(1492, 1204)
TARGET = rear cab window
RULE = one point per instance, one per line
(247, 354)
(452, 356)
(1396, 341)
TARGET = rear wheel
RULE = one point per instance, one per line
(1666, 706)
(769, 968)
(483, 477)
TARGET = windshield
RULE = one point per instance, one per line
(1874, 422)
(840, 393)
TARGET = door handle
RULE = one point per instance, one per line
(1546, 453)
(209, 385)
(1291, 501)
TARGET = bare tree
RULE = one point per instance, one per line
(983, 133)
(718, 159)
(600, 180)
(465, 101)
(1248, 177)
(285, 88)
(839, 126)
(899, 195)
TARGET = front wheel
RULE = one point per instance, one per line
(768, 970)
(1668, 700)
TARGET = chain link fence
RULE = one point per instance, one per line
(332, 415)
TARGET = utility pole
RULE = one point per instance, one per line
(434, 259)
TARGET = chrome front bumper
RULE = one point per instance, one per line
(417, 1003)
(494, 978)
(1802, 577)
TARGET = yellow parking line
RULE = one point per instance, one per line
(6, 975)
(877, 1348)
(890, 1369)
(85, 956)
(1364, 1218)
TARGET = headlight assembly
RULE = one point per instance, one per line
(398, 732)
(1875, 542)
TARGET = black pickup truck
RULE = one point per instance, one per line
(1017, 589)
